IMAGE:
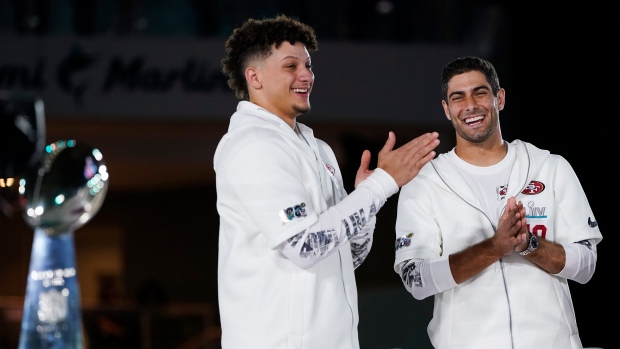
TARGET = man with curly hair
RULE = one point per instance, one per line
(290, 236)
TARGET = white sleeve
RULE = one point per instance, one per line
(352, 219)
(362, 242)
(426, 277)
(580, 261)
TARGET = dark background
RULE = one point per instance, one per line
(562, 77)
(555, 63)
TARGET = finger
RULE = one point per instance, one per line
(426, 159)
(517, 238)
(429, 147)
(389, 144)
(421, 141)
(511, 203)
(365, 161)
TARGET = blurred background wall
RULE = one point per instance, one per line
(140, 80)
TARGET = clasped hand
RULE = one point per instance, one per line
(511, 234)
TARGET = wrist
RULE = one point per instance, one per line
(532, 244)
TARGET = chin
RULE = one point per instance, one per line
(302, 110)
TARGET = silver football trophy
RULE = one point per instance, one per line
(59, 187)
(64, 193)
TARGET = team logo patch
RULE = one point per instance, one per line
(591, 223)
(501, 192)
(329, 168)
(403, 241)
(535, 187)
(296, 211)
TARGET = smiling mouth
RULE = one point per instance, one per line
(473, 120)
(300, 90)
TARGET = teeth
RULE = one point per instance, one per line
(301, 90)
(474, 119)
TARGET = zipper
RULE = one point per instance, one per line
(501, 260)
(346, 296)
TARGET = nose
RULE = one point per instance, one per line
(306, 75)
(471, 103)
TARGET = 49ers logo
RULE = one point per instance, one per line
(535, 187)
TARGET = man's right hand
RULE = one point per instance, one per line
(404, 163)
(512, 228)
(511, 231)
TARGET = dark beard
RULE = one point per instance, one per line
(301, 110)
(479, 138)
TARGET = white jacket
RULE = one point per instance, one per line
(512, 304)
(272, 185)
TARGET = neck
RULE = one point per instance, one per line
(481, 154)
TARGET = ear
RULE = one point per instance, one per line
(253, 77)
(501, 99)
(445, 109)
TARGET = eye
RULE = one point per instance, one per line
(309, 66)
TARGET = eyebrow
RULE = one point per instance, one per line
(475, 89)
(308, 58)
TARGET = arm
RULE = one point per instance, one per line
(549, 255)
(580, 261)
(426, 277)
(361, 243)
(574, 261)
(341, 222)
(574, 253)
(354, 218)
(511, 230)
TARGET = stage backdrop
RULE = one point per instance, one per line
(180, 78)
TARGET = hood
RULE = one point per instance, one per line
(529, 158)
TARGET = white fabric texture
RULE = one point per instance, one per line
(512, 304)
(487, 182)
(272, 185)
(580, 261)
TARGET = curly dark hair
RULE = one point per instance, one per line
(255, 39)
(464, 65)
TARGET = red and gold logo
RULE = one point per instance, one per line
(535, 187)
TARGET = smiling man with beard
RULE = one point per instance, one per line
(494, 230)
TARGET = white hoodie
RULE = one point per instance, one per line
(272, 185)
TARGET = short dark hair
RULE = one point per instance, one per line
(466, 64)
(255, 39)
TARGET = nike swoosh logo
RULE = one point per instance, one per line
(592, 224)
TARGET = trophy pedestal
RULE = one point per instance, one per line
(52, 313)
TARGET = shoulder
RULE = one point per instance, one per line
(544, 160)
(529, 147)
(251, 146)
(426, 175)
(324, 147)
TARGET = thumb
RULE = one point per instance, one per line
(365, 162)
(389, 144)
